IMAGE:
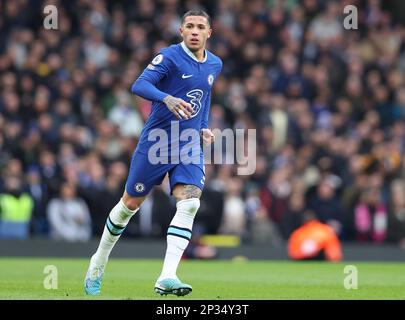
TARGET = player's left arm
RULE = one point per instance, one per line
(206, 134)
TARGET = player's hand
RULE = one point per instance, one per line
(207, 136)
(179, 107)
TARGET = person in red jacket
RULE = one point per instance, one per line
(314, 241)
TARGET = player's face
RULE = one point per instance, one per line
(195, 32)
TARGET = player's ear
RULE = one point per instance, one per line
(209, 32)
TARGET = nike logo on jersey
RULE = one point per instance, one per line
(186, 76)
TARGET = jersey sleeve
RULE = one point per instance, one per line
(145, 85)
(207, 107)
(204, 120)
(220, 67)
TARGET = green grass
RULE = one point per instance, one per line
(22, 278)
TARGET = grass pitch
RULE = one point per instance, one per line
(23, 278)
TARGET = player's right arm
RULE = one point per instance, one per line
(145, 87)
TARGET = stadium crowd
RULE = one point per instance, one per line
(328, 105)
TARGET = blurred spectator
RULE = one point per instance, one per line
(234, 216)
(326, 29)
(39, 194)
(279, 122)
(96, 50)
(16, 208)
(49, 171)
(262, 230)
(125, 116)
(326, 205)
(274, 195)
(101, 200)
(370, 216)
(210, 213)
(69, 216)
(163, 209)
(396, 214)
(293, 217)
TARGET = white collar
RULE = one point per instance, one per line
(191, 55)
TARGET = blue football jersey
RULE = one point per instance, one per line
(177, 72)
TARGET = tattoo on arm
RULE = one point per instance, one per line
(189, 191)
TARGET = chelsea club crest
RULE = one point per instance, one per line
(139, 187)
(210, 79)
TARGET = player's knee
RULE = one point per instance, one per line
(132, 203)
(189, 206)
